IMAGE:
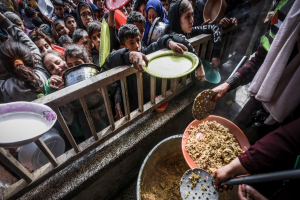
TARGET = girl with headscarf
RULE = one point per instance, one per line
(85, 15)
(101, 6)
(154, 9)
(181, 24)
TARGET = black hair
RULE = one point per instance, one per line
(77, 51)
(84, 4)
(58, 3)
(163, 0)
(37, 22)
(29, 12)
(78, 34)
(64, 40)
(12, 51)
(58, 21)
(138, 3)
(135, 16)
(93, 26)
(21, 5)
(127, 4)
(184, 5)
(128, 31)
(67, 16)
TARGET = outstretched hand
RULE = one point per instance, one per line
(215, 62)
(137, 58)
(56, 82)
(221, 91)
(200, 73)
(225, 23)
(180, 48)
(206, 22)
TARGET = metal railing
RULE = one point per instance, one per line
(203, 45)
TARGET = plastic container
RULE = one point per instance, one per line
(233, 129)
(31, 156)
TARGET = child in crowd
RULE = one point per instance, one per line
(140, 6)
(60, 27)
(14, 18)
(65, 41)
(137, 19)
(154, 9)
(61, 10)
(44, 42)
(85, 15)
(128, 7)
(101, 6)
(56, 65)
(129, 36)
(81, 37)
(70, 23)
(22, 76)
(181, 22)
(94, 31)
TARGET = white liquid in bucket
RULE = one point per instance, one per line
(21, 126)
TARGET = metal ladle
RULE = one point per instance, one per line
(209, 192)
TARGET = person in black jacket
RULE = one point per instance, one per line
(133, 52)
(181, 29)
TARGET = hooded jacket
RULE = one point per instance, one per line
(175, 30)
(79, 22)
(157, 6)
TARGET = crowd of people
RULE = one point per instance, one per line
(36, 50)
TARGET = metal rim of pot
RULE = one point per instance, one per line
(78, 67)
(152, 29)
(138, 188)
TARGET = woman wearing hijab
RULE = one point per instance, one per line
(181, 24)
(85, 15)
(154, 9)
(101, 6)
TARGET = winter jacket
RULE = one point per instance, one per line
(175, 29)
(11, 89)
(121, 57)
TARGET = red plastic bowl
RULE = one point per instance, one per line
(233, 129)
(115, 4)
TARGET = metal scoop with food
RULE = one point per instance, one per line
(192, 187)
(203, 104)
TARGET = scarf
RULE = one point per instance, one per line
(276, 83)
(157, 6)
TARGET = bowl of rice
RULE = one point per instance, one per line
(212, 143)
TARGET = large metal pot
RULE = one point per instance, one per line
(170, 145)
(157, 30)
(80, 73)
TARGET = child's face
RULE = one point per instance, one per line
(71, 24)
(142, 10)
(55, 65)
(19, 24)
(141, 27)
(73, 61)
(187, 20)
(165, 4)
(62, 29)
(86, 42)
(59, 10)
(86, 15)
(133, 44)
(42, 45)
(96, 38)
(152, 15)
